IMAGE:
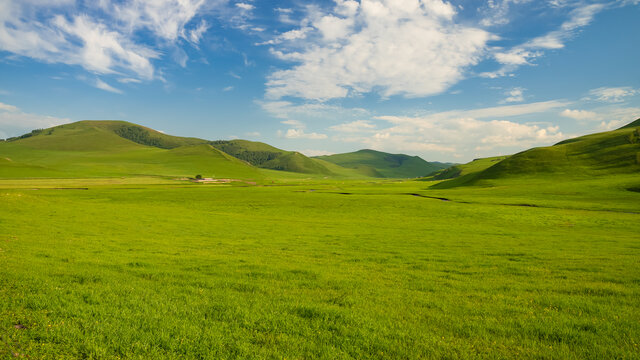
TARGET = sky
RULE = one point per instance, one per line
(444, 80)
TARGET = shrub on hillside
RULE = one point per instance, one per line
(27, 135)
(255, 158)
(141, 136)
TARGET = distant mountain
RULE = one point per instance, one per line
(606, 153)
(384, 165)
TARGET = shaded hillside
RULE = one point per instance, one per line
(269, 157)
(601, 154)
(380, 164)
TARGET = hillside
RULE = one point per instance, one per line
(380, 164)
(268, 157)
(602, 154)
(114, 148)
(465, 169)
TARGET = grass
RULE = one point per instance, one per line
(380, 164)
(119, 148)
(105, 254)
(600, 155)
(459, 170)
(319, 269)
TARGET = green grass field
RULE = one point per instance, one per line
(105, 253)
(155, 268)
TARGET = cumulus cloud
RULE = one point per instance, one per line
(100, 36)
(579, 114)
(245, 6)
(457, 133)
(411, 48)
(14, 122)
(514, 95)
(613, 94)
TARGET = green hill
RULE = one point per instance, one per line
(602, 154)
(465, 169)
(380, 164)
(114, 148)
(268, 157)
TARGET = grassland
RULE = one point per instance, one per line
(155, 268)
(106, 254)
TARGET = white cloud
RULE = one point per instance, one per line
(410, 48)
(457, 133)
(514, 95)
(288, 110)
(14, 122)
(245, 6)
(523, 54)
(310, 152)
(613, 94)
(106, 87)
(253, 134)
(357, 126)
(129, 80)
(291, 35)
(579, 114)
(300, 134)
(196, 34)
(228, 88)
(7, 107)
(100, 36)
(295, 123)
(496, 11)
(613, 117)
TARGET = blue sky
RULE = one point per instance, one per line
(448, 81)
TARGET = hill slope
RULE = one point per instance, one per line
(114, 148)
(465, 169)
(602, 154)
(269, 157)
(381, 164)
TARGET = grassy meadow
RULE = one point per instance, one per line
(302, 268)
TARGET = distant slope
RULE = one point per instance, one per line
(268, 157)
(381, 164)
(114, 148)
(474, 166)
(632, 124)
(601, 154)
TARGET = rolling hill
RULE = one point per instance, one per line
(464, 169)
(114, 148)
(602, 154)
(384, 165)
(268, 157)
